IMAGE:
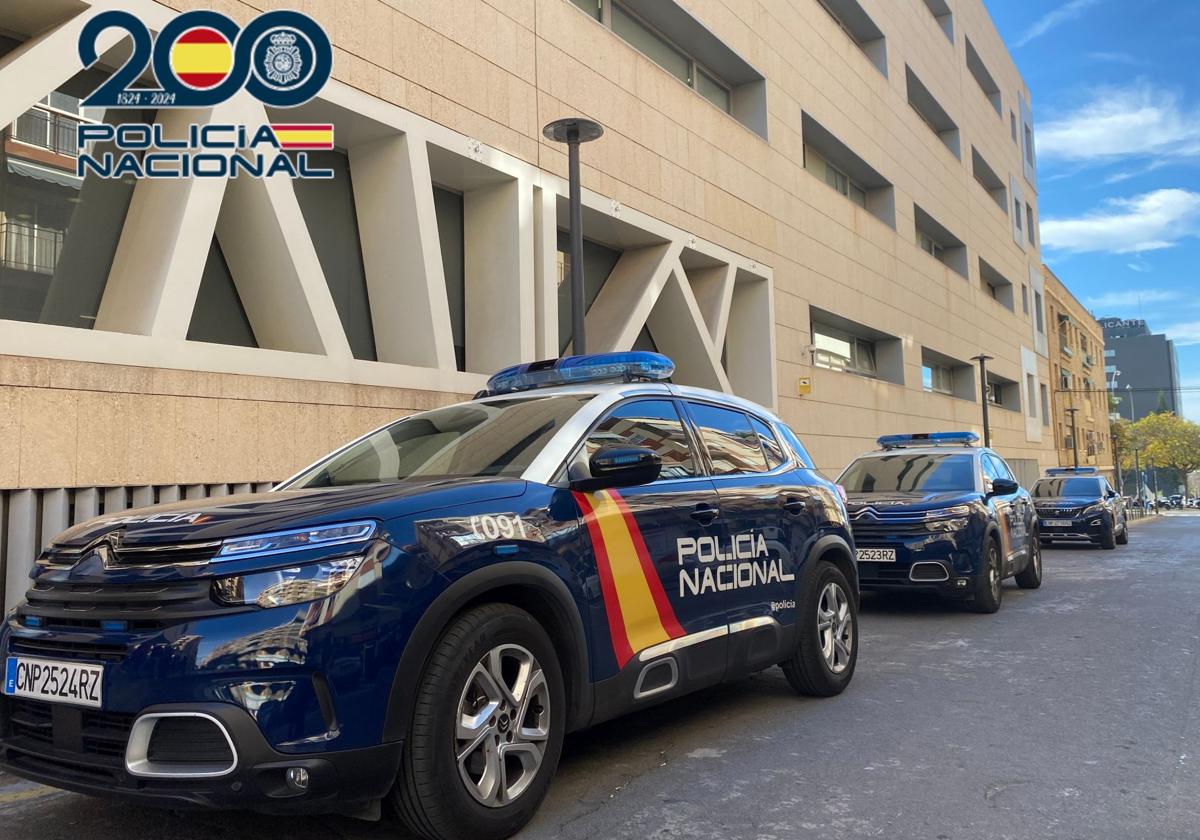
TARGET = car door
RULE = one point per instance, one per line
(1013, 510)
(766, 521)
(643, 537)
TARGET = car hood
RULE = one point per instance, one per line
(884, 503)
(222, 517)
(1065, 501)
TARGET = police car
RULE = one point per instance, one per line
(1078, 504)
(935, 513)
(422, 615)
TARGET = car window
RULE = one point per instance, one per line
(494, 438)
(797, 447)
(731, 441)
(1049, 488)
(769, 443)
(989, 468)
(1002, 470)
(653, 424)
(910, 472)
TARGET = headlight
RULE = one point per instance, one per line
(299, 539)
(948, 519)
(1093, 510)
(947, 524)
(282, 587)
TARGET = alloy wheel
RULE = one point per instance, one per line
(502, 725)
(835, 627)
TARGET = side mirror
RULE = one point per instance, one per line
(620, 466)
(1004, 487)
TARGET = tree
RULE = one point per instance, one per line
(1162, 404)
(1168, 440)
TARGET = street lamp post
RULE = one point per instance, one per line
(573, 131)
(1132, 412)
(1137, 475)
(983, 359)
(1074, 438)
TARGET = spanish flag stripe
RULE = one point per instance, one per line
(291, 136)
(643, 627)
(202, 58)
(666, 614)
(612, 604)
(202, 35)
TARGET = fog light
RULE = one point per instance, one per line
(297, 778)
(961, 583)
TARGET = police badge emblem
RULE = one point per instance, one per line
(282, 62)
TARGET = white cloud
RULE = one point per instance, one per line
(1137, 120)
(1141, 267)
(1146, 222)
(1068, 11)
(1116, 58)
(1133, 297)
(1185, 334)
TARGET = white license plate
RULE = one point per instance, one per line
(1057, 523)
(877, 555)
(75, 683)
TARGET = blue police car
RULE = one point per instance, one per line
(935, 513)
(1078, 504)
(422, 615)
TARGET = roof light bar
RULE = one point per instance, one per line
(1073, 471)
(928, 439)
(630, 366)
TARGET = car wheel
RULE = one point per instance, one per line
(1031, 576)
(1123, 537)
(1108, 540)
(987, 582)
(487, 728)
(827, 650)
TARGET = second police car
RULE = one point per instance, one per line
(935, 513)
(1078, 504)
(422, 615)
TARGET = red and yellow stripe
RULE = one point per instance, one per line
(639, 613)
(307, 136)
(202, 58)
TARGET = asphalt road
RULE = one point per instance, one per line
(1072, 713)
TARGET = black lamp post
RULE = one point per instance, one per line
(983, 359)
(1074, 436)
(573, 131)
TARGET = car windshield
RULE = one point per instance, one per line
(910, 472)
(496, 438)
(1049, 488)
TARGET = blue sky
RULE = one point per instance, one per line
(1116, 99)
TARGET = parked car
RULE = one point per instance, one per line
(1077, 503)
(936, 513)
(422, 615)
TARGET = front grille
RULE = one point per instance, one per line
(881, 573)
(188, 740)
(115, 552)
(876, 530)
(59, 649)
(1059, 513)
(83, 742)
(84, 606)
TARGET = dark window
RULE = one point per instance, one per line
(1049, 488)
(731, 441)
(653, 424)
(769, 443)
(495, 438)
(449, 209)
(910, 472)
(999, 467)
(219, 316)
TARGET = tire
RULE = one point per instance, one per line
(1031, 576)
(988, 592)
(432, 793)
(827, 612)
(1123, 537)
(1108, 540)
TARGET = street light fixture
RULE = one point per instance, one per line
(573, 131)
(983, 359)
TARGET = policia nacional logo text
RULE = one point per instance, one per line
(737, 563)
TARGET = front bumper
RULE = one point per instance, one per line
(1090, 528)
(344, 781)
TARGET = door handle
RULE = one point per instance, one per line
(794, 505)
(705, 514)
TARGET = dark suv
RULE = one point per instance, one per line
(1079, 504)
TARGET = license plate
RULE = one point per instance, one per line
(1057, 523)
(877, 555)
(75, 683)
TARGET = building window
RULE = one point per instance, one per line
(592, 7)
(1029, 226)
(983, 78)
(853, 19)
(1038, 315)
(655, 47)
(835, 349)
(987, 178)
(1017, 212)
(831, 160)
(53, 124)
(1064, 379)
(928, 245)
(1028, 144)
(1025, 298)
(1031, 396)
(842, 182)
(933, 238)
(995, 393)
(941, 13)
(998, 287)
(937, 378)
(1045, 405)
(931, 112)
(1012, 125)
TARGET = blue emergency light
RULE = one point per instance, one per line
(928, 439)
(1073, 471)
(630, 366)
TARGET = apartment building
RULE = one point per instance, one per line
(1077, 354)
(1142, 368)
(828, 206)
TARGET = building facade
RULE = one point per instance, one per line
(1142, 369)
(1077, 367)
(828, 206)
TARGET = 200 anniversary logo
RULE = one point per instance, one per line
(201, 59)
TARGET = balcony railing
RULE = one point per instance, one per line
(25, 247)
(47, 129)
(1064, 347)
